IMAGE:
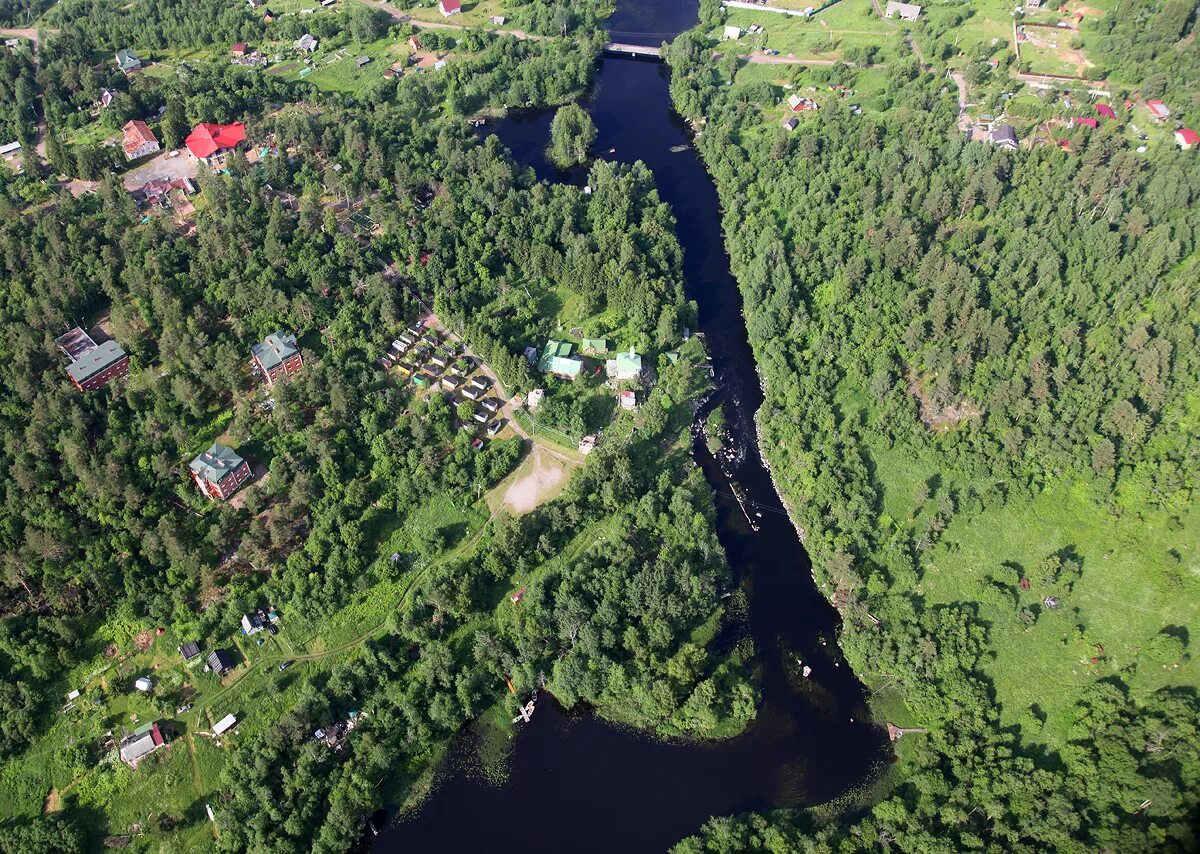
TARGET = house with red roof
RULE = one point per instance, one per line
(238, 49)
(139, 140)
(449, 7)
(1105, 111)
(210, 143)
(1087, 121)
(1158, 110)
(1186, 138)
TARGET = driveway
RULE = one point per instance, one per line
(161, 167)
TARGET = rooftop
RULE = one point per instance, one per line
(275, 350)
(215, 463)
(94, 361)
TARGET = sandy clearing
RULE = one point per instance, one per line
(537, 487)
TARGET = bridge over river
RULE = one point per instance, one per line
(632, 50)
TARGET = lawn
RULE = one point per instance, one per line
(475, 13)
(850, 23)
(1139, 576)
(337, 70)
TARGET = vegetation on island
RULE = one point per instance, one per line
(980, 403)
(572, 135)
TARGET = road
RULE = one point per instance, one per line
(962, 91)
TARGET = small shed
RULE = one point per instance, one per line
(143, 684)
(732, 32)
(224, 724)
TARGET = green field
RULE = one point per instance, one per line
(850, 23)
(1140, 575)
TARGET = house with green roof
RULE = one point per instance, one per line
(557, 360)
(595, 345)
(219, 472)
(277, 356)
(626, 366)
(127, 61)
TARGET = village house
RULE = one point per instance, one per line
(143, 684)
(495, 427)
(9, 150)
(626, 366)
(307, 43)
(252, 624)
(221, 661)
(92, 365)
(277, 356)
(497, 20)
(790, 125)
(594, 346)
(106, 97)
(629, 400)
(211, 143)
(1084, 121)
(414, 43)
(140, 743)
(238, 49)
(1004, 136)
(906, 11)
(361, 61)
(1186, 138)
(219, 472)
(190, 651)
(556, 360)
(449, 7)
(139, 140)
(224, 725)
(1104, 111)
(798, 104)
(732, 32)
(165, 194)
(1158, 110)
(127, 62)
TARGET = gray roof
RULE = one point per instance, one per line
(94, 361)
(215, 463)
(275, 350)
(138, 743)
(220, 660)
(189, 650)
(1004, 133)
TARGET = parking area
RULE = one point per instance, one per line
(163, 167)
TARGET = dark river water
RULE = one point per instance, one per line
(575, 782)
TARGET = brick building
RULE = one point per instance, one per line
(219, 472)
(139, 140)
(92, 365)
(277, 356)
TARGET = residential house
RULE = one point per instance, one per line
(1004, 136)
(277, 356)
(732, 32)
(798, 104)
(1105, 111)
(790, 124)
(449, 7)
(268, 16)
(906, 11)
(140, 743)
(143, 684)
(252, 624)
(307, 43)
(165, 194)
(221, 661)
(594, 346)
(224, 725)
(95, 366)
(556, 359)
(629, 400)
(492, 405)
(238, 49)
(139, 140)
(1085, 121)
(497, 20)
(1158, 110)
(127, 62)
(190, 651)
(1186, 138)
(414, 43)
(361, 61)
(211, 143)
(495, 427)
(107, 96)
(626, 366)
(9, 150)
(219, 472)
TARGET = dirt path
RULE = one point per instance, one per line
(32, 34)
(962, 91)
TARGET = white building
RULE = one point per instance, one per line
(906, 11)
(224, 724)
(732, 32)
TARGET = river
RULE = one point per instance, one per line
(575, 782)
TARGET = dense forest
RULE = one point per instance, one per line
(1017, 320)
(100, 524)
(1154, 44)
